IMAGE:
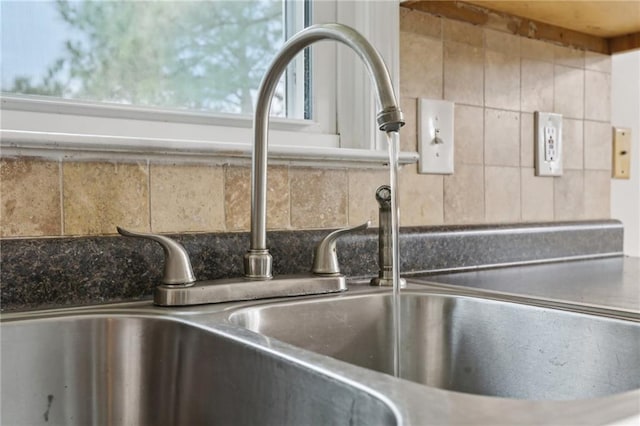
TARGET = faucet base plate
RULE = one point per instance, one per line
(237, 289)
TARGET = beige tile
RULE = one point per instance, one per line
(100, 196)
(501, 138)
(527, 140)
(502, 42)
(278, 198)
(502, 81)
(568, 199)
(420, 66)
(237, 197)
(421, 198)
(463, 73)
(464, 195)
(569, 57)
(417, 22)
(573, 146)
(502, 194)
(536, 49)
(597, 96)
(537, 196)
(318, 198)
(569, 92)
(30, 198)
(183, 198)
(597, 145)
(536, 86)
(362, 199)
(408, 133)
(597, 62)
(468, 134)
(597, 194)
(462, 32)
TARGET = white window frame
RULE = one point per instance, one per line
(343, 130)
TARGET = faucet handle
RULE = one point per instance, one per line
(177, 266)
(325, 258)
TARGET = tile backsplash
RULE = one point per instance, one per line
(497, 81)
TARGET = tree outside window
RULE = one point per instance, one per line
(198, 55)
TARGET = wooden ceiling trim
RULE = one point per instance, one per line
(601, 18)
(487, 18)
(624, 43)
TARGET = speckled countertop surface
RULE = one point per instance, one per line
(56, 272)
(611, 282)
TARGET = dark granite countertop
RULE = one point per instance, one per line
(56, 272)
(612, 282)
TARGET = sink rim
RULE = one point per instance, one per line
(415, 287)
(544, 302)
(356, 287)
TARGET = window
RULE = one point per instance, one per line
(191, 55)
(180, 77)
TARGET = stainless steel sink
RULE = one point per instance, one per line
(465, 344)
(144, 370)
(140, 364)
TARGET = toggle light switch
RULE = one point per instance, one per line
(548, 143)
(435, 136)
(621, 153)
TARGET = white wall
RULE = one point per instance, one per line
(625, 112)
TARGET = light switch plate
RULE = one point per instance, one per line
(435, 136)
(621, 153)
(548, 143)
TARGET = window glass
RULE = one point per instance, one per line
(197, 55)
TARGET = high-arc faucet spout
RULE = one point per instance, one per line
(258, 261)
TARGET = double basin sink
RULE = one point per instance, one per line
(323, 360)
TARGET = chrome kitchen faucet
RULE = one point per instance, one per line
(258, 261)
(258, 281)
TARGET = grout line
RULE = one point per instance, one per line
(149, 196)
(555, 110)
(289, 177)
(61, 186)
(584, 91)
(521, 194)
(442, 44)
(521, 185)
(484, 194)
(224, 168)
(553, 197)
(348, 198)
(584, 125)
(443, 195)
(484, 125)
(520, 213)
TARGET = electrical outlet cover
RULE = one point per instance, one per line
(435, 136)
(548, 143)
